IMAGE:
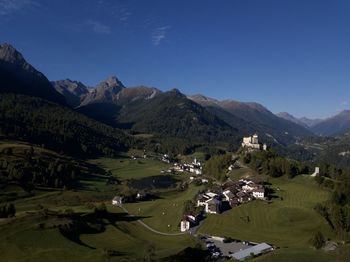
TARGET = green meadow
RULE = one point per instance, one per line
(126, 168)
(287, 221)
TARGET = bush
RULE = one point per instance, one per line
(318, 240)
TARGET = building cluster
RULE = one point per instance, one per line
(232, 193)
(251, 143)
(195, 167)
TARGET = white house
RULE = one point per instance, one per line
(259, 193)
(165, 158)
(185, 225)
(117, 200)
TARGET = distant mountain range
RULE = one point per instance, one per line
(138, 110)
(253, 117)
(335, 125)
(145, 109)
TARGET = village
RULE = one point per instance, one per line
(215, 200)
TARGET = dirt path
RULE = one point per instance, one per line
(150, 228)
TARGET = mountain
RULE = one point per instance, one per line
(104, 92)
(18, 76)
(310, 122)
(333, 125)
(291, 118)
(107, 112)
(132, 94)
(73, 91)
(303, 121)
(45, 123)
(253, 117)
(170, 114)
(32, 110)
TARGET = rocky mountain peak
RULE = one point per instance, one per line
(10, 55)
(111, 82)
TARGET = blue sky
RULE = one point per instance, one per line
(291, 55)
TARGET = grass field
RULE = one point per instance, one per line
(126, 168)
(287, 222)
(23, 241)
(164, 214)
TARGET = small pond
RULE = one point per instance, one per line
(154, 182)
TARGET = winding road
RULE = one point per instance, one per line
(150, 228)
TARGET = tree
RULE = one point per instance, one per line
(11, 210)
(318, 240)
(150, 252)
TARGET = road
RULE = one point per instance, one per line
(150, 228)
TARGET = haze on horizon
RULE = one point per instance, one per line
(290, 56)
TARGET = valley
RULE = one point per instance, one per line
(116, 173)
(287, 221)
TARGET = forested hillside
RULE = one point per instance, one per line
(53, 126)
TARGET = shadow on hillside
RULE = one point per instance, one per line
(93, 223)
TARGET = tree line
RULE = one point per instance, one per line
(29, 169)
(59, 128)
(269, 163)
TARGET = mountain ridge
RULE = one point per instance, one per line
(18, 76)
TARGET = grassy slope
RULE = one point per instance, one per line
(168, 210)
(125, 168)
(134, 240)
(287, 223)
(170, 203)
(20, 240)
(271, 223)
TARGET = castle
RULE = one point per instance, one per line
(252, 143)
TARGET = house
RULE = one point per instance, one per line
(243, 197)
(249, 186)
(211, 203)
(185, 225)
(259, 192)
(228, 195)
(213, 206)
(231, 198)
(117, 200)
(165, 158)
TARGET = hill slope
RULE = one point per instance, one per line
(43, 122)
(170, 114)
